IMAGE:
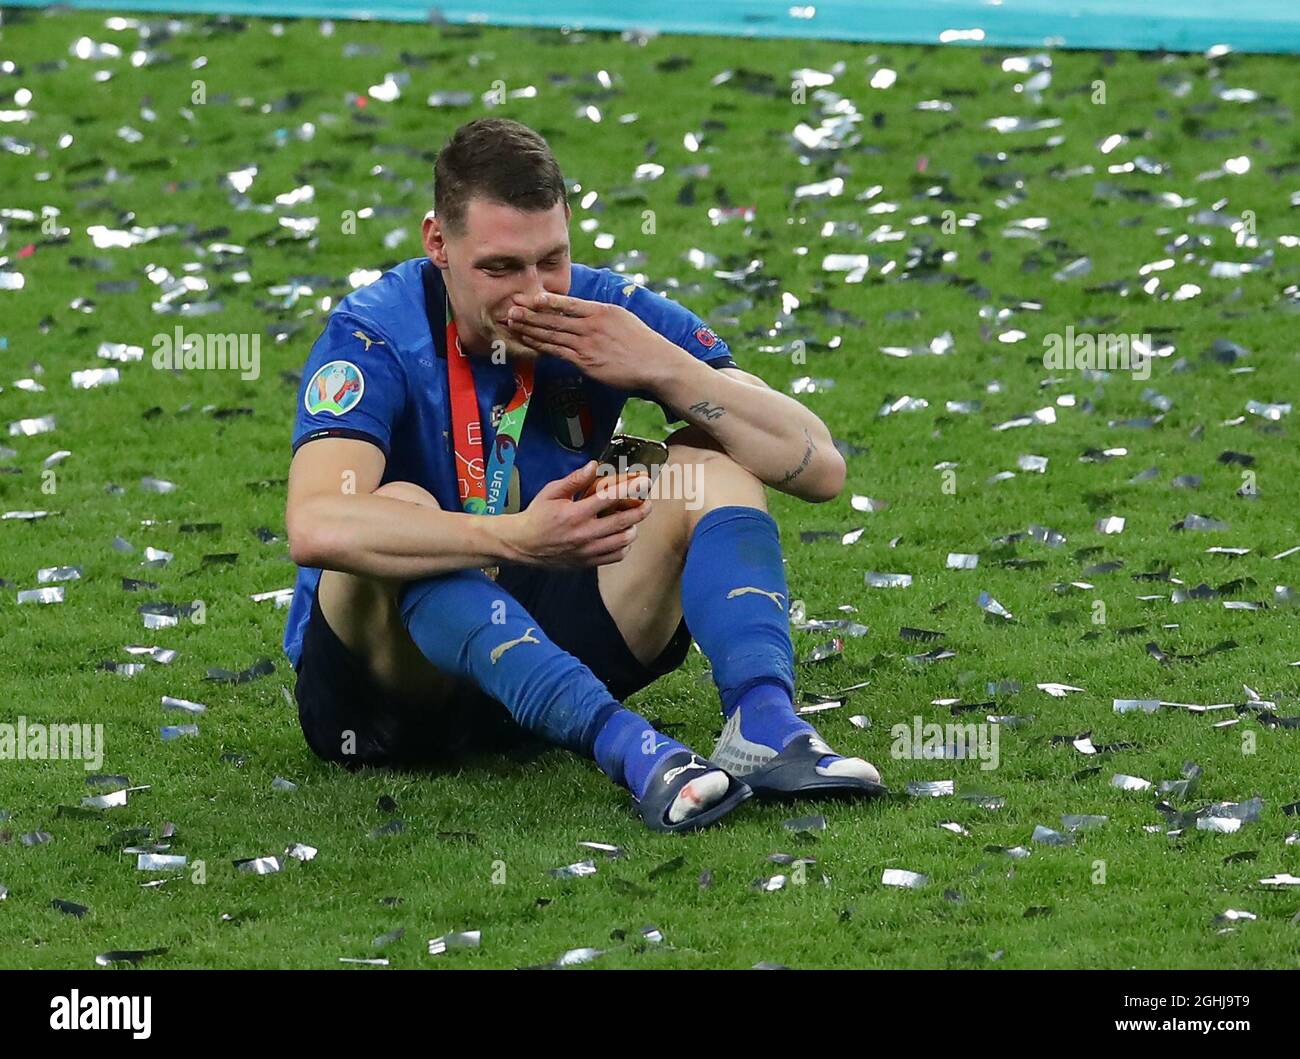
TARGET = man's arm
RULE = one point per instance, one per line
(776, 438)
(336, 522)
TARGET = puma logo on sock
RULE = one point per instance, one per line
(672, 774)
(775, 597)
(501, 649)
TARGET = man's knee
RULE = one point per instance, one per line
(691, 443)
(701, 464)
(368, 597)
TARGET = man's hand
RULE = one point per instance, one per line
(606, 342)
(770, 434)
(556, 530)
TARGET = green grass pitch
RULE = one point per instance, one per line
(477, 843)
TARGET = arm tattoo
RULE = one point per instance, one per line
(803, 464)
(702, 409)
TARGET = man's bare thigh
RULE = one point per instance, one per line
(363, 614)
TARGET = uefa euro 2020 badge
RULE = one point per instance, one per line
(335, 388)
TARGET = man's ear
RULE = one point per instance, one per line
(435, 246)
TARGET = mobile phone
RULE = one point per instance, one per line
(627, 455)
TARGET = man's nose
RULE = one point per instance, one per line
(531, 286)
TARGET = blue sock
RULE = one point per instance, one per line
(628, 750)
(735, 601)
(465, 623)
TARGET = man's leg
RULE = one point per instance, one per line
(363, 613)
(462, 624)
(718, 561)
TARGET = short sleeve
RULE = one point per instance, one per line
(353, 386)
(680, 326)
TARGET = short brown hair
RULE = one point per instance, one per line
(497, 159)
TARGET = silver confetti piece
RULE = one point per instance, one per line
(282, 597)
(1201, 522)
(1134, 705)
(162, 655)
(1129, 783)
(576, 956)
(120, 351)
(450, 99)
(465, 939)
(808, 384)
(611, 851)
(112, 800)
(910, 880)
(991, 606)
(93, 377)
(41, 595)
(49, 574)
(578, 870)
(159, 862)
(930, 788)
(903, 404)
(1225, 825)
(819, 707)
(31, 427)
(984, 800)
(176, 731)
(962, 561)
(830, 649)
(299, 851)
(156, 557)
(1046, 535)
(1272, 412)
(866, 503)
(259, 865)
(1058, 691)
(878, 580)
(1047, 837)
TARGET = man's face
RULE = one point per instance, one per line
(504, 257)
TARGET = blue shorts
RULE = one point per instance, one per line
(348, 719)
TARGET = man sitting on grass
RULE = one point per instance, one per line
(452, 593)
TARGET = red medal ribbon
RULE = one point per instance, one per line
(467, 427)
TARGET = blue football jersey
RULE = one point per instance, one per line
(378, 372)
